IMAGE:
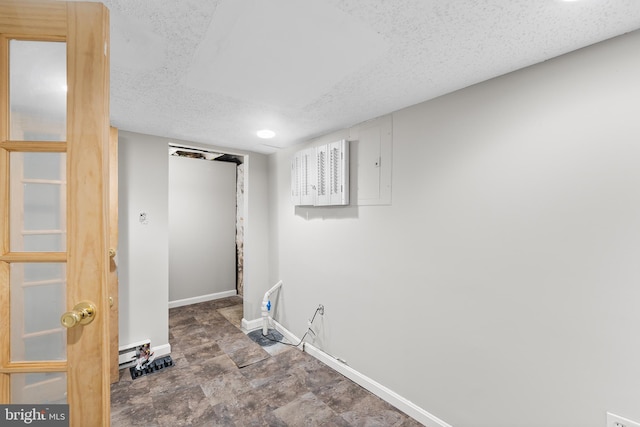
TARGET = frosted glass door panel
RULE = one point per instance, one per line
(41, 207)
(48, 166)
(37, 288)
(39, 389)
(43, 243)
(48, 302)
(38, 90)
(38, 202)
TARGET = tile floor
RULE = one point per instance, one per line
(221, 377)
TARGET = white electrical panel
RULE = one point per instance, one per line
(373, 160)
(320, 175)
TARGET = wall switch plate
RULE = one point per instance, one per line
(618, 421)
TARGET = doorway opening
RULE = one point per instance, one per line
(233, 162)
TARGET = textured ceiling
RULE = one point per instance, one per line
(216, 71)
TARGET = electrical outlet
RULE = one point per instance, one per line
(618, 421)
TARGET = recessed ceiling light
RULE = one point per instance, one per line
(266, 134)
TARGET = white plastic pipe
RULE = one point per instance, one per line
(266, 307)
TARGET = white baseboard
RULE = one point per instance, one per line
(202, 298)
(288, 334)
(250, 325)
(161, 350)
(374, 387)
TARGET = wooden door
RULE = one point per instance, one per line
(113, 248)
(54, 200)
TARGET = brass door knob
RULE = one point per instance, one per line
(83, 313)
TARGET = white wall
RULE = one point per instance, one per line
(143, 255)
(256, 235)
(202, 228)
(143, 260)
(500, 288)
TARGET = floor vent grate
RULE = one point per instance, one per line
(151, 367)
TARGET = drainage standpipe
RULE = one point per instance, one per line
(266, 308)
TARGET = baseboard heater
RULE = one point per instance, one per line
(127, 355)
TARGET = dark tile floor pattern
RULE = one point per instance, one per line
(222, 378)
